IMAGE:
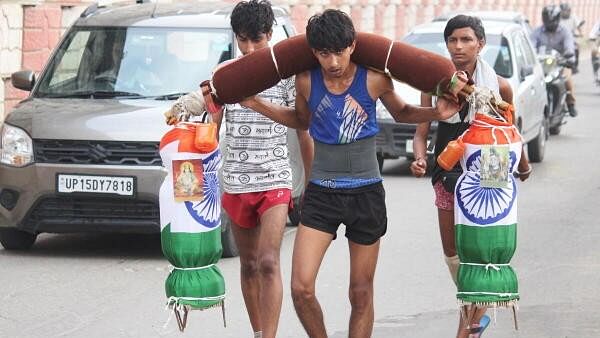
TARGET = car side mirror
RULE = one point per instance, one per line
(526, 70)
(24, 80)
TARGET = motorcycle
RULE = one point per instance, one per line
(553, 64)
(596, 58)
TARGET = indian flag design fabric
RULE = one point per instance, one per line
(190, 217)
(486, 219)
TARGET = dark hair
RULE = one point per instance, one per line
(252, 18)
(551, 17)
(330, 31)
(463, 21)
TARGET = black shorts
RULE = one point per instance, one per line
(361, 209)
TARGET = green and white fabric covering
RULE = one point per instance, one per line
(486, 225)
(191, 232)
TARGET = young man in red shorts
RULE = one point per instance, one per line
(257, 178)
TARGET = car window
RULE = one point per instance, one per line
(140, 60)
(279, 33)
(496, 51)
(527, 49)
(69, 64)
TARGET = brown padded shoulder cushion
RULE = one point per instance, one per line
(255, 72)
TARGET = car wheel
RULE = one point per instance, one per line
(537, 146)
(380, 162)
(15, 239)
(294, 214)
(230, 249)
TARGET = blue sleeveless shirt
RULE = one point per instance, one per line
(342, 118)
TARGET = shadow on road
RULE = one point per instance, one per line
(93, 245)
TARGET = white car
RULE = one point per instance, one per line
(95, 114)
(509, 51)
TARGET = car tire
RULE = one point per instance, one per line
(537, 147)
(15, 239)
(230, 249)
(380, 162)
(294, 214)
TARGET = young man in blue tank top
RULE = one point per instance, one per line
(336, 102)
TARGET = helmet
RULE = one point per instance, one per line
(565, 10)
(551, 17)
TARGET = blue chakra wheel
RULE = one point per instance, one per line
(483, 205)
(208, 211)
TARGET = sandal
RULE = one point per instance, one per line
(476, 332)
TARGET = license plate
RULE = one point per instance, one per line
(409, 147)
(112, 185)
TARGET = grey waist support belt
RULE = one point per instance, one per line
(357, 159)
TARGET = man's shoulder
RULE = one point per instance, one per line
(538, 30)
(303, 80)
(563, 31)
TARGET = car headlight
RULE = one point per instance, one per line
(381, 111)
(16, 147)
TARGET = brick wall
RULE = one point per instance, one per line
(29, 29)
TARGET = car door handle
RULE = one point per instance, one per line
(532, 91)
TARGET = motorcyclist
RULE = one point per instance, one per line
(573, 23)
(595, 37)
(551, 35)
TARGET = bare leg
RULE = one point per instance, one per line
(473, 315)
(309, 249)
(595, 61)
(567, 72)
(363, 261)
(247, 241)
(446, 223)
(272, 223)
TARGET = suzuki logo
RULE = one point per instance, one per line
(98, 153)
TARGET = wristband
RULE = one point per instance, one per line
(526, 172)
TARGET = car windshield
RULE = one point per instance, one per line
(134, 61)
(496, 51)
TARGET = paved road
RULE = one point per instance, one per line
(112, 285)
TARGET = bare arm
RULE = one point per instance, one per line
(307, 150)
(218, 119)
(302, 94)
(419, 166)
(307, 146)
(297, 118)
(278, 113)
(380, 86)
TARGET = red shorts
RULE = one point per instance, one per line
(443, 199)
(245, 209)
